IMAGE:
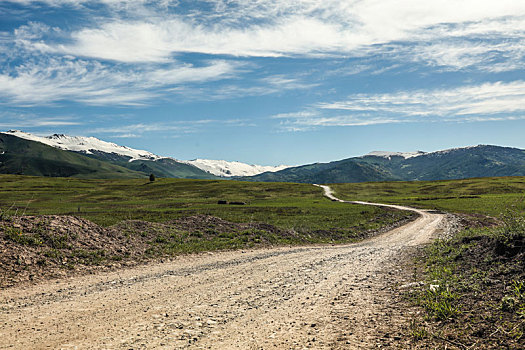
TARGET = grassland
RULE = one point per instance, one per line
(474, 291)
(488, 196)
(107, 202)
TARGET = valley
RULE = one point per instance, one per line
(248, 174)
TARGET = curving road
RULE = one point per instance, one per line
(314, 297)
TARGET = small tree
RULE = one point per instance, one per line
(152, 177)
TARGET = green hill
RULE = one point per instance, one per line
(24, 157)
(164, 167)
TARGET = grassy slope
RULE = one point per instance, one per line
(480, 161)
(164, 167)
(478, 298)
(19, 156)
(169, 168)
(348, 170)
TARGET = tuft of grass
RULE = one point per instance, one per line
(440, 302)
(510, 236)
(417, 331)
(17, 236)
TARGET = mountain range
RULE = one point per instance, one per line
(88, 157)
(456, 163)
(140, 161)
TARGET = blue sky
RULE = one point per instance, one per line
(267, 82)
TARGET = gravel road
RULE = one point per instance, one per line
(314, 297)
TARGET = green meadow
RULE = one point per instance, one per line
(300, 207)
(488, 196)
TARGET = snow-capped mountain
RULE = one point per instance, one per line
(386, 154)
(90, 145)
(27, 154)
(85, 145)
(227, 169)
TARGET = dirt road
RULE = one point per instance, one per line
(318, 297)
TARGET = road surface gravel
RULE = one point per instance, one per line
(313, 297)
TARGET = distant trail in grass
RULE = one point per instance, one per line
(487, 196)
(330, 194)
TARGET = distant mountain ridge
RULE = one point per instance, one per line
(387, 154)
(145, 161)
(137, 161)
(88, 157)
(228, 169)
(26, 157)
(85, 145)
(455, 163)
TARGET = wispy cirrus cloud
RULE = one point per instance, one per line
(285, 28)
(176, 127)
(44, 81)
(489, 98)
(487, 102)
(313, 119)
(135, 51)
(13, 120)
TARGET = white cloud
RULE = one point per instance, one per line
(141, 128)
(150, 38)
(486, 102)
(288, 28)
(488, 56)
(273, 84)
(489, 98)
(12, 120)
(315, 121)
(177, 127)
(140, 41)
(51, 80)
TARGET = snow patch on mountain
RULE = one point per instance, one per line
(229, 169)
(450, 150)
(89, 145)
(386, 154)
(85, 145)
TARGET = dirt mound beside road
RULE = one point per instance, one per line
(42, 247)
(50, 246)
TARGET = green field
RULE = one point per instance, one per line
(300, 207)
(489, 196)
